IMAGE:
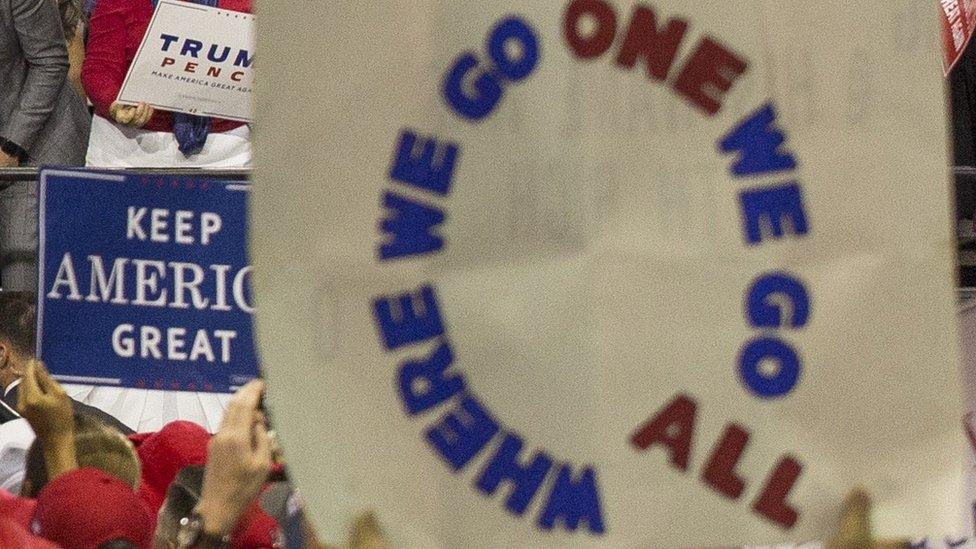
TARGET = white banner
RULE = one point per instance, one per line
(194, 59)
(609, 274)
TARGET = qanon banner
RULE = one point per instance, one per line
(609, 273)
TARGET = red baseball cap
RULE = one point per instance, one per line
(86, 508)
(256, 530)
(17, 509)
(15, 535)
(164, 453)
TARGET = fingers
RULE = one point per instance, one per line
(124, 114)
(855, 522)
(47, 383)
(262, 448)
(141, 115)
(366, 533)
(28, 381)
(240, 410)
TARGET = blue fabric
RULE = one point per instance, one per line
(191, 131)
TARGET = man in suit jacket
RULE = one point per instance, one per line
(42, 121)
(42, 118)
(17, 318)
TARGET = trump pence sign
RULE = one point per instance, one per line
(610, 274)
(194, 59)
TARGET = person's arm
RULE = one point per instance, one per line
(105, 65)
(47, 408)
(76, 58)
(238, 462)
(38, 27)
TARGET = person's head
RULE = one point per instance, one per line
(181, 497)
(17, 316)
(96, 445)
(87, 508)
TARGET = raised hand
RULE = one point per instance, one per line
(238, 463)
(47, 408)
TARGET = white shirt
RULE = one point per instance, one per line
(15, 438)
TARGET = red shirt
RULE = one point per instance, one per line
(114, 35)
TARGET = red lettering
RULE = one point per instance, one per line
(213, 71)
(598, 41)
(190, 67)
(671, 427)
(772, 503)
(168, 61)
(720, 471)
(237, 76)
(658, 49)
(708, 74)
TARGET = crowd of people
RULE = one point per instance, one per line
(62, 65)
(72, 476)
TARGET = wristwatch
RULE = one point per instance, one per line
(12, 149)
(192, 536)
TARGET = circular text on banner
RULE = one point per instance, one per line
(607, 274)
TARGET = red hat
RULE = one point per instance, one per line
(256, 530)
(15, 535)
(17, 509)
(85, 508)
(164, 453)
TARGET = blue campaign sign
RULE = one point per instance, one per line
(144, 281)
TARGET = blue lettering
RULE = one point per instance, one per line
(191, 47)
(758, 143)
(244, 59)
(776, 382)
(424, 385)
(517, 30)
(212, 54)
(525, 479)
(488, 91)
(462, 433)
(167, 40)
(411, 228)
(768, 207)
(774, 293)
(408, 318)
(421, 170)
(573, 501)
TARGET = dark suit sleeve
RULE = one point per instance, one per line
(38, 27)
(104, 417)
(7, 413)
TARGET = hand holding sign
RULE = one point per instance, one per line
(855, 527)
(194, 59)
(135, 116)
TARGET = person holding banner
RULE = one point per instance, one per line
(140, 136)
